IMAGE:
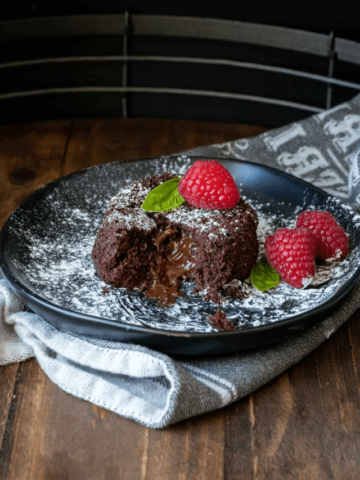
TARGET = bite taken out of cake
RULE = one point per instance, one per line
(152, 238)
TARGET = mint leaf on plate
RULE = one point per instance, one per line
(163, 197)
(263, 276)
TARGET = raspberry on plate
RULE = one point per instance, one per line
(333, 243)
(291, 252)
(207, 184)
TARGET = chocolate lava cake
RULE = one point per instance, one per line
(154, 252)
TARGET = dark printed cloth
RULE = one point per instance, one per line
(154, 389)
(354, 180)
(319, 150)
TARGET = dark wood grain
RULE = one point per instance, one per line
(30, 156)
(99, 141)
(8, 375)
(303, 425)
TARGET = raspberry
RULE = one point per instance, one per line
(333, 243)
(291, 252)
(207, 184)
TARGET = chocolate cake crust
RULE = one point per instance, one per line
(154, 252)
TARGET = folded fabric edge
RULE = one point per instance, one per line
(56, 366)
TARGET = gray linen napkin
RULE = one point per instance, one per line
(151, 387)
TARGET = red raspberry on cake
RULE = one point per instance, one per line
(207, 184)
(291, 252)
(333, 243)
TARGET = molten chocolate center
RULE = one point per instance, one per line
(174, 262)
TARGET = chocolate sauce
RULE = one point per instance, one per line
(174, 262)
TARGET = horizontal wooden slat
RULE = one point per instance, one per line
(234, 31)
(173, 91)
(347, 50)
(189, 60)
(77, 25)
(162, 25)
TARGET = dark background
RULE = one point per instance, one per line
(344, 24)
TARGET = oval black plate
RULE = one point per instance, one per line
(45, 254)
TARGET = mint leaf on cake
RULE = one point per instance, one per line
(164, 197)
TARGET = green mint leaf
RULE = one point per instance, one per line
(164, 197)
(263, 276)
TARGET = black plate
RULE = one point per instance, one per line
(45, 254)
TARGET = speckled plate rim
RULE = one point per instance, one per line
(27, 295)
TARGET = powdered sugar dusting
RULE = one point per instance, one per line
(53, 243)
(336, 257)
(204, 220)
(307, 281)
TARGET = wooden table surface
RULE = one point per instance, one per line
(303, 425)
